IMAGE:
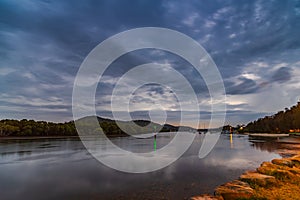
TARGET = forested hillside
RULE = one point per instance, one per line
(24, 127)
(282, 122)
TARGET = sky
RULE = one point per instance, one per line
(255, 45)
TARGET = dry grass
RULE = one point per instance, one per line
(276, 180)
(287, 186)
(284, 190)
(288, 182)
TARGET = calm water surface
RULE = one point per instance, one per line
(63, 169)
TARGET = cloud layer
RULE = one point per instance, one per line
(255, 44)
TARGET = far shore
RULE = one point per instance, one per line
(34, 137)
(48, 137)
(268, 135)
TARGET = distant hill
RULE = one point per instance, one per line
(24, 127)
(282, 122)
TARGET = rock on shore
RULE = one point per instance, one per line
(279, 178)
(234, 189)
(258, 179)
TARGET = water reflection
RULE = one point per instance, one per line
(63, 169)
(269, 145)
(285, 146)
(275, 144)
(19, 153)
(231, 141)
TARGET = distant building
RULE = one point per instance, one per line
(294, 130)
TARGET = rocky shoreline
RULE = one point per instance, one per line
(278, 179)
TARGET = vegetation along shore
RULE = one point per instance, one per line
(277, 179)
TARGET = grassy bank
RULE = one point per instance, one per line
(278, 179)
(286, 172)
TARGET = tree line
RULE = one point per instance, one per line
(24, 127)
(281, 122)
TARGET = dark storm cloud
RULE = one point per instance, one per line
(139, 99)
(246, 86)
(42, 44)
(156, 89)
(282, 75)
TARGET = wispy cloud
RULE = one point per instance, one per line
(190, 20)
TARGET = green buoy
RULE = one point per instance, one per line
(154, 143)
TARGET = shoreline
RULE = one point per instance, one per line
(48, 137)
(34, 137)
(275, 179)
(273, 135)
(57, 137)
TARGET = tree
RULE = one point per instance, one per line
(281, 122)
